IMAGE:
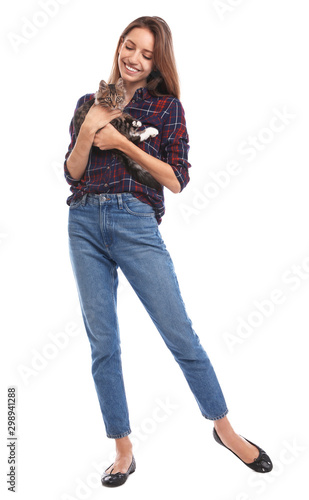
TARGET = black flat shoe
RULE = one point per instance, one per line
(261, 464)
(119, 478)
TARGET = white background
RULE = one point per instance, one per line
(240, 65)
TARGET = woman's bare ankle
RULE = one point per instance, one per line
(123, 445)
(223, 426)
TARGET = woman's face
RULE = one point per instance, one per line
(135, 59)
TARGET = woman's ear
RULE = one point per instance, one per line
(121, 41)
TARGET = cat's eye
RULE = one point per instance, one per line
(119, 99)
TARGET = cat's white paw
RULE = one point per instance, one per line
(136, 124)
(148, 132)
(153, 132)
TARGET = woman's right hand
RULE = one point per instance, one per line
(97, 117)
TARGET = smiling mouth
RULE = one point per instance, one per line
(132, 70)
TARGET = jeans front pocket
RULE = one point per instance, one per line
(138, 208)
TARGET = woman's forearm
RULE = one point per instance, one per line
(161, 171)
(78, 159)
(96, 119)
(109, 138)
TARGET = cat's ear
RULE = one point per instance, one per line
(120, 83)
(103, 85)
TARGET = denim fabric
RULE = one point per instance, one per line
(107, 231)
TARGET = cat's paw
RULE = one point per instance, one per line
(152, 132)
(148, 132)
(136, 124)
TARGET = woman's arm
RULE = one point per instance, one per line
(78, 159)
(161, 171)
(110, 138)
(96, 118)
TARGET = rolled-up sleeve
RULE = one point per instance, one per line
(67, 175)
(175, 142)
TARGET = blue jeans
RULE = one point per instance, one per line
(111, 230)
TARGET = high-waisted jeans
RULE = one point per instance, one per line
(107, 231)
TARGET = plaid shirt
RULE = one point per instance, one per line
(105, 173)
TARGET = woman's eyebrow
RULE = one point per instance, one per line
(145, 50)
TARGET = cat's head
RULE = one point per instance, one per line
(111, 95)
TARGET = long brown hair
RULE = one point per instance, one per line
(164, 80)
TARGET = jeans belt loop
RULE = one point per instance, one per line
(84, 199)
(120, 204)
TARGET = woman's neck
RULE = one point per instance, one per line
(131, 89)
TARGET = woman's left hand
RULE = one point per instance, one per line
(108, 138)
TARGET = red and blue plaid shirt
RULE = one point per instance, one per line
(105, 173)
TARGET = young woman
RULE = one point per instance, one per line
(113, 221)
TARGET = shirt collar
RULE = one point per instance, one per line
(141, 94)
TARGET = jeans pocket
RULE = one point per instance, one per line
(138, 208)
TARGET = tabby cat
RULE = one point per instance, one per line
(113, 96)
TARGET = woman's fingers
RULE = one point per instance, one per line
(104, 113)
(97, 117)
(107, 138)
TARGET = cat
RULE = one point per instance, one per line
(113, 96)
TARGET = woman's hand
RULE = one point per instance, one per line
(97, 117)
(108, 138)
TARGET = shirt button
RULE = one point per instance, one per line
(106, 185)
(133, 100)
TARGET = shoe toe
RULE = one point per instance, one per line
(119, 478)
(262, 464)
(114, 479)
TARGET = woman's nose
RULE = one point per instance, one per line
(134, 58)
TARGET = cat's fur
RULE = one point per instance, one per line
(113, 96)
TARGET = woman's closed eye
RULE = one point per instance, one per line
(130, 48)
